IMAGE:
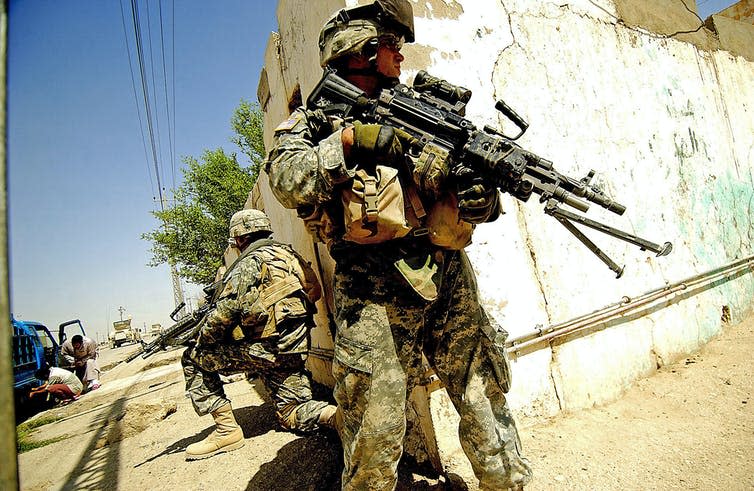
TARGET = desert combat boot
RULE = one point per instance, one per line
(227, 436)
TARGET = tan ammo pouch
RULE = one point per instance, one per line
(273, 299)
(446, 229)
(373, 208)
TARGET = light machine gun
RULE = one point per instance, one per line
(433, 110)
(183, 332)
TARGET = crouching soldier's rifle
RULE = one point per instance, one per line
(183, 332)
(432, 112)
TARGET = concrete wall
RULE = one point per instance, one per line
(666, 124)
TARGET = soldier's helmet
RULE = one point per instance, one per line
(249, 221)
(349, 31)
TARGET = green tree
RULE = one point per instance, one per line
(194, 230)
(248, 123)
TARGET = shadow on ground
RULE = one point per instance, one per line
(320, 469)
(315, 462)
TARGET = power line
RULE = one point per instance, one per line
(136, 98)
(172, 19)
(145, 93)
(154, 98)
(167, 106)
(154, 137)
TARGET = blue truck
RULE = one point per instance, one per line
(34, 346)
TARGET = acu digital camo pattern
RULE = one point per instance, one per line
(285, 379)
(240, 311)
(384, 326)
(277, 360)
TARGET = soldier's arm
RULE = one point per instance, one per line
(304, 171)
(225, 315)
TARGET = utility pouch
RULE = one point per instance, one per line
(446, 229)
(319, 223)
(423, 273)
(431, 170)
(493, 342)
(373, 208)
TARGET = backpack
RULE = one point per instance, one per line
(288, 288)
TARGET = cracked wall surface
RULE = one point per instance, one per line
(667, 126)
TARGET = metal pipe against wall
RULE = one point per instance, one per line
(627, 305)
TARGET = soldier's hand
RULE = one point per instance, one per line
(478, 202)
(206, 338)
(376, 144)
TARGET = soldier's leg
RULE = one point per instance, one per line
(204, 388)
(289, 385)
(476, 376)
(208, 396)
(375, 349)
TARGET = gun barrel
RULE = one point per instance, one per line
(605, 202)
(134, 355)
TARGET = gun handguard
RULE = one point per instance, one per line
(182, 332)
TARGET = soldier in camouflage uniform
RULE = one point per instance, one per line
(260, 325)
(402, 297)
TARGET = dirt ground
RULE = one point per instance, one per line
(690, 426)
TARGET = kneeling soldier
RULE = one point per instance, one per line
(259, 325)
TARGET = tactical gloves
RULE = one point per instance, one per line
(478, 202)
(378, 144)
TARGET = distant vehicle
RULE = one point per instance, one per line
(33, 347)
(155, 330)
(123, 333)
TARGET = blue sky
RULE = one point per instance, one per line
(81, 186)
(81, 182)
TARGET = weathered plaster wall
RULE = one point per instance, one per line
(734, 35)
(676, 18)
(743, 11)
(668, 127)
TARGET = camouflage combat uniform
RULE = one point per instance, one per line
(384, 326)
(278, 360)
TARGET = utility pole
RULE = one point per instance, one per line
(177, 288)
